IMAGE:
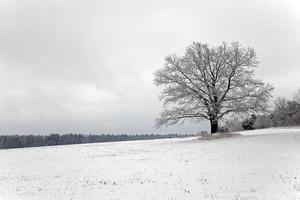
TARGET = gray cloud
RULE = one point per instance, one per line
(86, 66)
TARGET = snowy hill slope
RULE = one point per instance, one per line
(239, 168)
(279, 130)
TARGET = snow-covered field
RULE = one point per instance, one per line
(239, 168)
(281, 130)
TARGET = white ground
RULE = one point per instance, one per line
(239, 168)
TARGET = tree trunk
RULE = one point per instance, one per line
(213, 126)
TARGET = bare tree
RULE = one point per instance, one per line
(208, 83)
(286, 112)
(297, 96)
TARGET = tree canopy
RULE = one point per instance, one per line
(208, 83)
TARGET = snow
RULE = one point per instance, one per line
(279, 130)
(261, 166)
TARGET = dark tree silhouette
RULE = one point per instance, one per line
(18, 141)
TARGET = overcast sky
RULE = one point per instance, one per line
(87, 66)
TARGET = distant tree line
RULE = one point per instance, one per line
(20, 141)
(284, 113)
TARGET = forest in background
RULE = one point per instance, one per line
(20, 141)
